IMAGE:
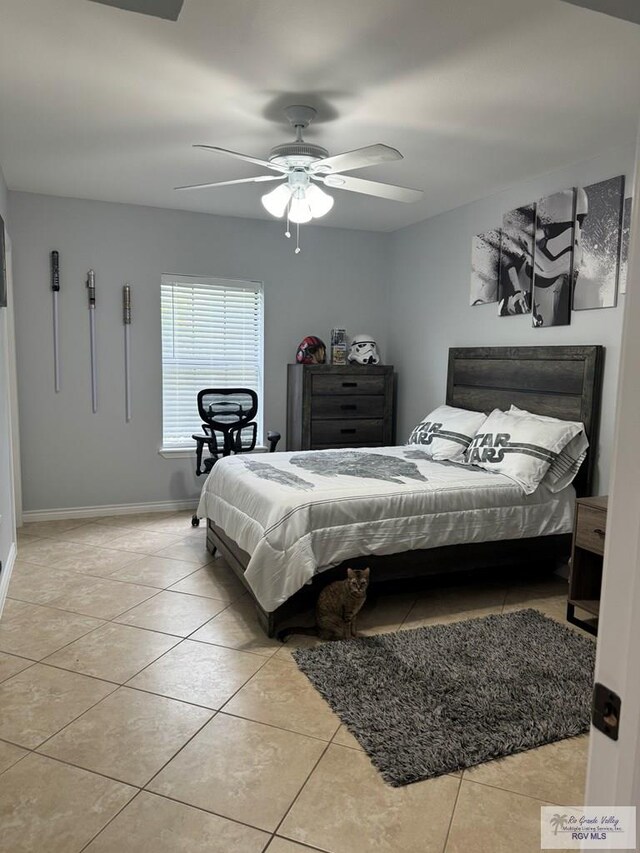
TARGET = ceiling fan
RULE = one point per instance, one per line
(302, 166)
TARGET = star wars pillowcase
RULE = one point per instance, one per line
(522, 448)
(562, 471)
(446, 432)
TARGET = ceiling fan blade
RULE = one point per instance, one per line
(375, 188)
(256, 180)
(256, 160)
(168, 9)
(371, 155)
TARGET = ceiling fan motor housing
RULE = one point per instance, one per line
(297, 155)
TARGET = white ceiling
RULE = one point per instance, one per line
(100, 103)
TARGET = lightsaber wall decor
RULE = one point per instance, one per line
(126, 319)
(55, 288)
(91, 287)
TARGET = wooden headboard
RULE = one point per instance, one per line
(561, 382)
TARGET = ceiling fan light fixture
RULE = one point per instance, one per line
(319, 201)
(300, 211)
(277, 200)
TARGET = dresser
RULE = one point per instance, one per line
(585, 580)
(339, 406)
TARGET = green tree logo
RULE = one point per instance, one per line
(557, 821)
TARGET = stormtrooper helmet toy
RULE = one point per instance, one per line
(363, 350)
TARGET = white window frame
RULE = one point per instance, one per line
(185, 449)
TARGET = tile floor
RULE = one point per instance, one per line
(142, 710)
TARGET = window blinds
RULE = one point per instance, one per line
(212, 337)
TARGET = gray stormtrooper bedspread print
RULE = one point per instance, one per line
(299, 513)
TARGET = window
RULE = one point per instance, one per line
(212, 337)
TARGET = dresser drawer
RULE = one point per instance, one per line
(590, 528)
(341, 434)
(347, 383)
(345, 408)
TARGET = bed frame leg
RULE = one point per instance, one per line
(267, 621)
(211, 546)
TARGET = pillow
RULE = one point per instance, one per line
(446, 432)
(522, 448)
(564, 468)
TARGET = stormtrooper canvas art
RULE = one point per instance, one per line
(485, 267)
(599, 209)
(516, 261)
(553, 260)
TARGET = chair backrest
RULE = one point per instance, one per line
(230, 411)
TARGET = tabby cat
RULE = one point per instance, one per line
(337, 607)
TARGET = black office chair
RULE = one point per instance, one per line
(228, 426)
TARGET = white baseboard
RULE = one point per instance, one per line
(113, 509)
(5, 577)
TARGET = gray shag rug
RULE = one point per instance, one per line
(433, 700)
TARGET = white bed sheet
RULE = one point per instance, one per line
(299, 513)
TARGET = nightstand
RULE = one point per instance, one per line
(589, 533)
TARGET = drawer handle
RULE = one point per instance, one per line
(599, 531)
(351, 431)
(349, 384)
(349, 406)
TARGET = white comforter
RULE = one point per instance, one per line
(299, 513)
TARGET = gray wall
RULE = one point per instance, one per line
(72, 458)
(429, 308)
(7, 529)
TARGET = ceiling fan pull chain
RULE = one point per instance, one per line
(297, 238)
(287, 233)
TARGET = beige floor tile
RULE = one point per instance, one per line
(35, 632)
(23, 538)
(545, 587)
(237, 627)
(10, 755)
(39, 701)
(152, 824)
(295, 641)
(453, 604)
(213, 581)
(158, 572)
(555, 773)
(54, 552)
(143, 541)
(49, 807)
(178, 524)
(554, 606)
(98, 561)
(51, 528)
(282, 845)
(199, 673)
(92, 534)
(345, 807)
(280, 695)
(190, 548)
(343, 737)
(129, 736)
(100, 597)
(242, 770)
(135, 520)
(113, 652)
(11, 665)
(384, 614)
(38, 584)
(487, 820)
(173, 613)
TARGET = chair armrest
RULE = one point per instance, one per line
(273, 438)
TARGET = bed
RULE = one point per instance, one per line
(289, 525)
